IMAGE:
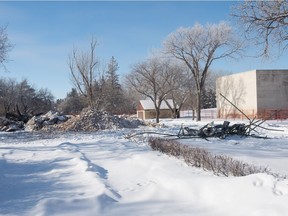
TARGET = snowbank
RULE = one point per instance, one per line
(105, 174)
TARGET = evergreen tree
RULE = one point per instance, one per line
(208, 99)
(113, 93)
(111, 74)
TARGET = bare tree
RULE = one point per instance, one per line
(30, 101)
(130, 100)
(151, 78)
(83, 67)
(72, 104)
(265, 22)
(179, 87)
(22, 99)
(44, 100)
(198, 47)
(5, 46)
(25, 97)
(7, 95)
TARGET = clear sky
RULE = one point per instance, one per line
(44, 33)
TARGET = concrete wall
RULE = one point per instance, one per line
(241, 90)
(260, 93)
(272, 89)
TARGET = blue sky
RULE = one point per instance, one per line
(44, 33)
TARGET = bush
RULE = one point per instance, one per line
(198, 157)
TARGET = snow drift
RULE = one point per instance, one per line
(105, 174)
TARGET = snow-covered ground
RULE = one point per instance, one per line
(102, 173)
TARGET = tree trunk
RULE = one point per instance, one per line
(157, 115)
(198, 106)
(193, 114)
(177, 113)
(174, 113)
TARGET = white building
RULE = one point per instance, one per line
(258, 93)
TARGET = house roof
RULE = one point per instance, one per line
(148, 104)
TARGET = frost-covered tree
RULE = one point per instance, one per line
(178, 86)
(198, 47)
(152, 79)
(264, 22)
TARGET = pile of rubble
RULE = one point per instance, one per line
(93, 120)
(87, 120)
(10, 125)
(39, 121)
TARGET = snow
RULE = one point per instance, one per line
(149, 104)
(102, 173)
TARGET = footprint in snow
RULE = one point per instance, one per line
(69, 147)
(279, 187)
(137, 186)
(258, 183)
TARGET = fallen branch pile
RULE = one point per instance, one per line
(222, 130)
(213, 130)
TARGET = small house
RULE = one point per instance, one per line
(146, 109)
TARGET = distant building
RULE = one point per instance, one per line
(258, 93)
(146, 109)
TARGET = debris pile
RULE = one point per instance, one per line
(87, 120)
(219, 130)
(8, 125)
(93, 120)
(214, 130)
(39, 121)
